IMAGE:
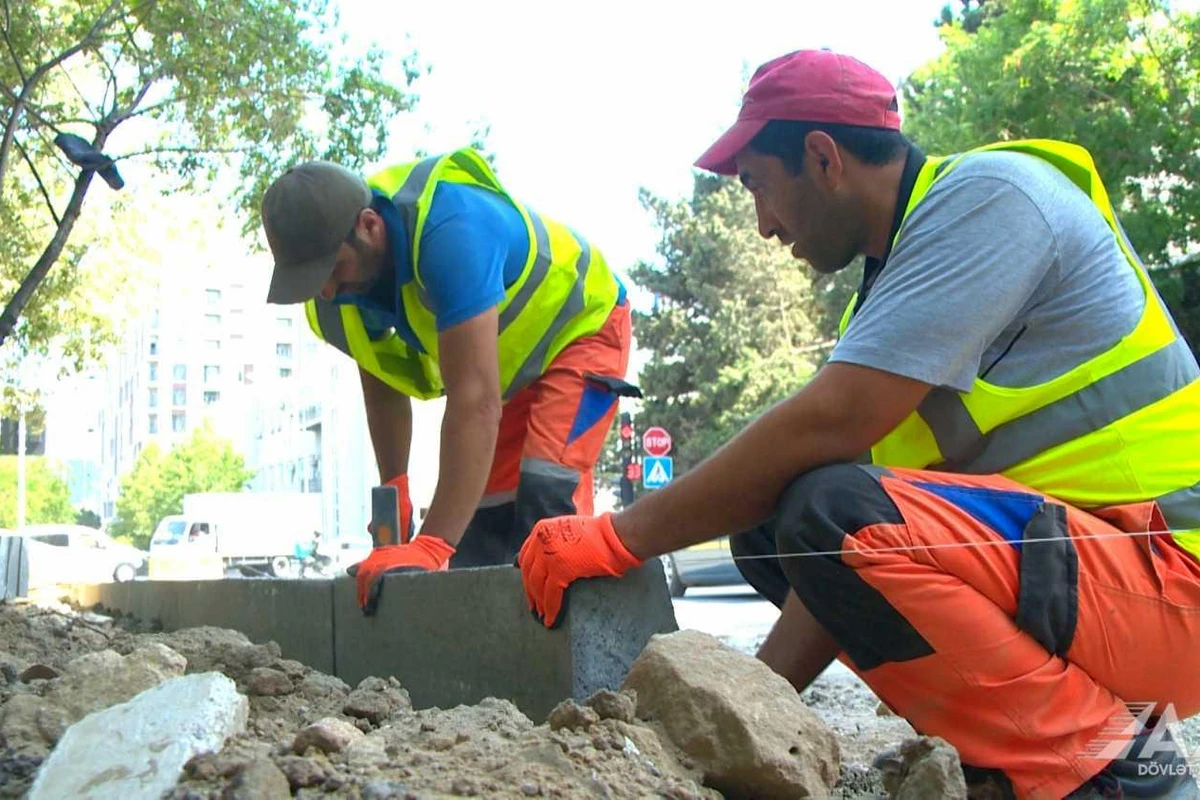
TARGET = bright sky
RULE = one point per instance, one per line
(587, 103)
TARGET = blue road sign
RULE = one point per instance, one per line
(657, 471)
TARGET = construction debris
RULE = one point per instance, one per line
(695, 719)
(742, 724)
(139, 748)
(922, 767)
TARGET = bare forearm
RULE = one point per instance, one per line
(389, 421)
(469, 430)
(837, 417)
(733, 490)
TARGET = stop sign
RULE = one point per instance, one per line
(656, 441)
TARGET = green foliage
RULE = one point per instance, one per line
(155, 487)
(88, 517)
(47, 497)
(192, 90)
(735, 323)
(1119, 77)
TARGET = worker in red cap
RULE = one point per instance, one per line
(1015, 566)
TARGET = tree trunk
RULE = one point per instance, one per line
(8, 320)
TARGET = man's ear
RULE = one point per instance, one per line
(371, 224)
(823, 159)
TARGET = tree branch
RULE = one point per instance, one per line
(8, 320)
(36, 113)
(118, 114)
(79, 92)
(37, 177)
(27, 88)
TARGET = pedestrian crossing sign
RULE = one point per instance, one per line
(657, 471)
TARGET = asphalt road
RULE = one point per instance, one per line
(739, 618)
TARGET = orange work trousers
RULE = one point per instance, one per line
(551, 435)
(1021, 630)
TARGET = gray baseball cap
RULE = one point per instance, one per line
(307, 213)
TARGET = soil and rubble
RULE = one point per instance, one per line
(695, 719)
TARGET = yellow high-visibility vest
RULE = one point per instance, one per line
(565, 291)
(1120, 428)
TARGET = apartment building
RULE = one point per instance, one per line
(209, 348)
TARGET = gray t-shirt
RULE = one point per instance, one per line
(1007, 271)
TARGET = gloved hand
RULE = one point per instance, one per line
(563, 549)
(425, 553)
(404, 512)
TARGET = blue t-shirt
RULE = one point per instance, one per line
(473, 247)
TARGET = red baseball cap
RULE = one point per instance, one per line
(806, 86)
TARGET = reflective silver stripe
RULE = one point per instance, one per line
(413, 187)
(532, 368)
(333, 329)
(537, 273)
(497, 499)
(1181, 508)
(1140, 384)
(547, 469)
(406, 201)
(953, 428)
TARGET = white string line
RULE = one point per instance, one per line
(949, 545)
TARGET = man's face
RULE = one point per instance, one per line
(360, 260)
(805, 211)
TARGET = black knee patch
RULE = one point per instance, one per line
(818, 511)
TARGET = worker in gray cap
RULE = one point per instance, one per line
(438, 282)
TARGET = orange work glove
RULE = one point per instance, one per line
(425, 553)
(563, 549)
(404, 512)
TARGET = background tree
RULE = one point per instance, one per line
(47, 497)
(155, 487)
(188, 88)
(88, 517)
(1120, 77)
(734, 324)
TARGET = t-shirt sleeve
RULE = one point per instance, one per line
(969, 259)
(464, 247)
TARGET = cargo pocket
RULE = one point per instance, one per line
(1048, 602)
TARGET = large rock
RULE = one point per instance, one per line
(138, 749)
(922, 767)
(99, 680)
(742, 724)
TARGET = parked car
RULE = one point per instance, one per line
(79, 554)
(704, 564)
